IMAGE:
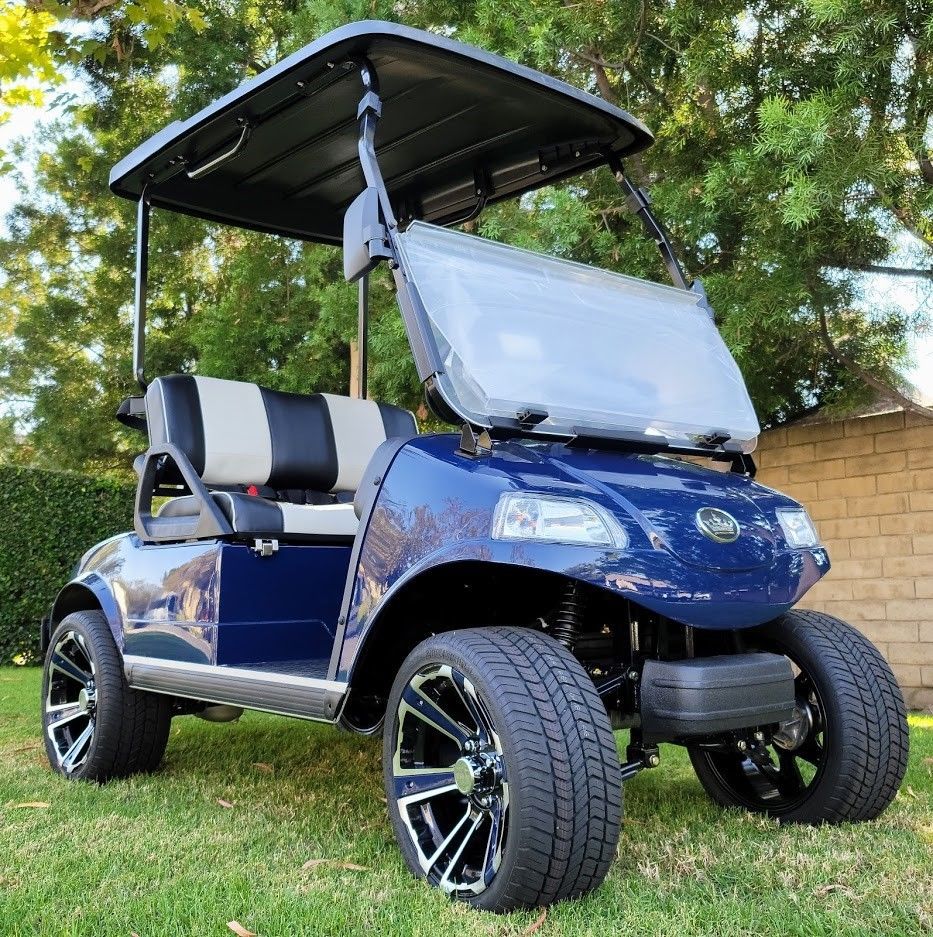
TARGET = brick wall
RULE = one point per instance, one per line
(868, 484)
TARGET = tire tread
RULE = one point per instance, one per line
(564, 761)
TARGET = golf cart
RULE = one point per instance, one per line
(588, 552)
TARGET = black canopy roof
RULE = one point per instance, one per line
(453, 118)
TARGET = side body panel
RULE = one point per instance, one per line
(212, 602)
(436, 507)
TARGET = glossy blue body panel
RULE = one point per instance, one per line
(213, 602)
(217, 602)
(436, 507)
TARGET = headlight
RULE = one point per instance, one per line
(559, 520)
(799, 531)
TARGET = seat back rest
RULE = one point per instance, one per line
(235, 433)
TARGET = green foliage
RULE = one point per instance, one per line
(40, 40)
(792, 154)
(47, 521)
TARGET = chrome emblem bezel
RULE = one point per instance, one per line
(718, 525)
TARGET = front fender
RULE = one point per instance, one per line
(435, 508)
(87, 591)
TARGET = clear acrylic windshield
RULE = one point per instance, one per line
(518, 330)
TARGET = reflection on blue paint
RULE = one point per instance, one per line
(436, 507)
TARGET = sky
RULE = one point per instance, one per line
(904, 292)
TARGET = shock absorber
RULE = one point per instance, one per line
(566, 625)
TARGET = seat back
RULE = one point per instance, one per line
(235, 433)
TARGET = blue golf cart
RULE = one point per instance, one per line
(588, 552)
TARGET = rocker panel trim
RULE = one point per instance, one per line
(304, 697)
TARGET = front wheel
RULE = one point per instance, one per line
(843, 754)
(95, 726)
(501, 770)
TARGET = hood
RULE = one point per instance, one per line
(673, 501)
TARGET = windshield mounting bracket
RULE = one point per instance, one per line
(638, 202)
(473, 444)
(531, 416)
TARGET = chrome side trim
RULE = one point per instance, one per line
(304, 697)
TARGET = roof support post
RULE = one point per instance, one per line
(362, 336)
(368, 114)
(142, 275)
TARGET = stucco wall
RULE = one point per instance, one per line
(868, 484)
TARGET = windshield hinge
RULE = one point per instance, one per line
(474, 445)
(530, 416)
(715, 437)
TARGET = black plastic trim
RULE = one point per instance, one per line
(208, 523)
(705, 696)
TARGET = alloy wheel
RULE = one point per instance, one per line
(449, 781)
(70, 705)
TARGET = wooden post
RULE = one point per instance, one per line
(354, 369)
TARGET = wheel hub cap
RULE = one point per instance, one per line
(449, 781)
(477, 774)
(466, 774)
(87, 699)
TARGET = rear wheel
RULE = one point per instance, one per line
(95, 727)
(501, 769)
(843, 754)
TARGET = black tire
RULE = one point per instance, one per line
(857, 741)
(85, 694)
(538, 726)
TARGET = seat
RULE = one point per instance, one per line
(256, 516)
(236, 434)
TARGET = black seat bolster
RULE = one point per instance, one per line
(249, 513)
(372, 477)
(185, 506)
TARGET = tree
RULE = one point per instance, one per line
(792, 150)
(792, 161)
(41, 40)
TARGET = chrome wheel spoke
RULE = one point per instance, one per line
(429, 712)
(468, 697)
(62, 714)
(811, 751)
(428, 862)
(761, 781)
(493, 855)
(445, 882)
(414, 785)
(62, 663)
(71, 759)
(788, 779)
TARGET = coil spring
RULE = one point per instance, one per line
(566, 625)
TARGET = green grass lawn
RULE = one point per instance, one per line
(161, 855)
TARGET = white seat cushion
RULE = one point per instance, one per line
(322, 520)
(249, 514)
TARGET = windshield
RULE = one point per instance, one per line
(590, 349)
